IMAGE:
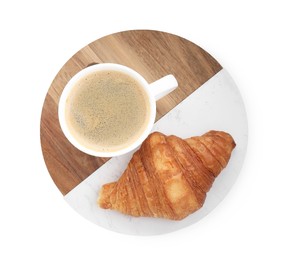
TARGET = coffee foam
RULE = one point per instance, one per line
(107, 111)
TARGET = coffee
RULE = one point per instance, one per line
(107, 110)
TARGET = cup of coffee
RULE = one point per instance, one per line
(109, 109)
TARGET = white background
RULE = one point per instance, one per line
(247, 37)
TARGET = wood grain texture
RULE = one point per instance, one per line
(151, 53)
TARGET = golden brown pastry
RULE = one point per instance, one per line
(169, 177)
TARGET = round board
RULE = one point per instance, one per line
(206, 99)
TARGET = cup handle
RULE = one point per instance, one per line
(163, 86)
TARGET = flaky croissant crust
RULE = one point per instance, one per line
(169, 177)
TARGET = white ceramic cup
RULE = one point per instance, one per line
(154, 91)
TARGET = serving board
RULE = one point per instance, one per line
(153, 54)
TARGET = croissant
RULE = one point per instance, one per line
(168, 177)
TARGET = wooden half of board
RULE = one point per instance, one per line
(153, 54)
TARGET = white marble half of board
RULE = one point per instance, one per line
(216, 105)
